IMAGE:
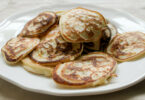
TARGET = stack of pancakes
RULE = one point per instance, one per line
(79, 48)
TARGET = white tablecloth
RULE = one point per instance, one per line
(11, 92)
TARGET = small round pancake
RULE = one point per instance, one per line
(39, 24)
(17, 48)
(89, 70)
(127, 46)
(35, 68)
(53, 49)
(81, 25)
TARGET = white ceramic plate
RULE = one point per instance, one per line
(129, 73)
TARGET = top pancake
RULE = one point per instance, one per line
(81, 25)
(17, 48)
(53, 49)
(89, 70)
(127, 46)
(39, 24)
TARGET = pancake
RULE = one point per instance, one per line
(81, 25)
(53, 49)
(17, 48)
(35, 68)
(127, 46)
(39, 24)
(88, 71)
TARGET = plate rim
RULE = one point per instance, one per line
(7, 21)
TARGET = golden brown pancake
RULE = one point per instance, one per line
(36, 68)
(127, 46)
(89, 70)
(81, 25)
(17, 48)
(53, 49)
(39, 24)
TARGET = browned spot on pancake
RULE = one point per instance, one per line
(10, 57)
(94, 61)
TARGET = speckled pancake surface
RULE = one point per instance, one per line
(39, 24)
(53, 49)
(89, 70)
(81, 25)
(127, 46)
(36, 68)
(17, 48)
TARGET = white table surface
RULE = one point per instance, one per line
(11, 92)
